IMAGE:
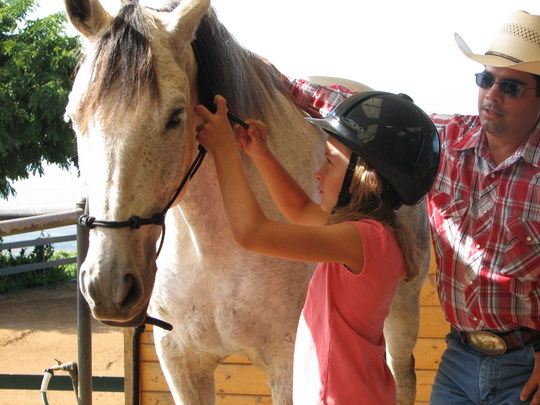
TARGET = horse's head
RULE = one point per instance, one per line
(131, 109)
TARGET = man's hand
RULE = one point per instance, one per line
(530, 390)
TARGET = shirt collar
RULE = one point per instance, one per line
(529, 151)
(471, 139)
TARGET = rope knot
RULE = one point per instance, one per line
(87, 221)
(135, 222)
(158, 219)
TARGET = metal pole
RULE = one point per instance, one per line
(37, 223)
(84, 327)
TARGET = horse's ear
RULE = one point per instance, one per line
(184, 19)
(87, 16)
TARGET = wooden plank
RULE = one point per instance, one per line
(147, 337)
(236, 359)
(165, 398)
(128, 365)
(433, 323)
(424, 381)
(230, 379)
(156, 398)
(241, 379)
(148, 354)
(243, 400)
(427, 353)
(152, 378)
(428, 295)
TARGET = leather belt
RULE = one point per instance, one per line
(498, 343)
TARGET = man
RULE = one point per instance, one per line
(485, 220)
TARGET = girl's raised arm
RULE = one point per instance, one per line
(287, 194)
(339, 243)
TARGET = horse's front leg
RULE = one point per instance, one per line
(401, 330)
(190, 375)
(401, 326)
(277, 363)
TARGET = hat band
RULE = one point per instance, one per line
(504, 56)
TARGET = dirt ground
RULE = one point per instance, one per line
(39, 326)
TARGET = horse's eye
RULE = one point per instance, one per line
(175, 120)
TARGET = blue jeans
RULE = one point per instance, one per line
(466, 376)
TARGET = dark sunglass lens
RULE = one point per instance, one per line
(484, 81)
(510, 89)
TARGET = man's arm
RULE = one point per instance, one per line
(316, 99)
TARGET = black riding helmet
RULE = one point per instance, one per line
(392, 136)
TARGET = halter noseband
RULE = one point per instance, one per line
(135, 222)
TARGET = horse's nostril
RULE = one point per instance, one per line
(88, 289)
(129, 292)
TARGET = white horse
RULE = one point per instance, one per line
(131, 106)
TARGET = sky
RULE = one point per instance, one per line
(400, 46)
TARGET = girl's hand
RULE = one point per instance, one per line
(253, 140)
(216, 134)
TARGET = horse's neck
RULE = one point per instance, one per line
(297, 145)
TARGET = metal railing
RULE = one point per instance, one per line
(86, 383)
(41, 265)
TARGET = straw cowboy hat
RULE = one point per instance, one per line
(517, 46)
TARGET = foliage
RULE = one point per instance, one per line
(37, 60)
(36, 278)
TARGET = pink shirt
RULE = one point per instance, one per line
(339, 351)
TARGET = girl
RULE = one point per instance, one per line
(362, 248)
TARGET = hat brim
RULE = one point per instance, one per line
(496, 61)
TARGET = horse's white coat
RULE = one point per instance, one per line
(219, 298)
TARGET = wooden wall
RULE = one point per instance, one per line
(239, 383)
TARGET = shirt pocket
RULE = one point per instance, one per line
(522, 252)
(448, 207)
(448, 214)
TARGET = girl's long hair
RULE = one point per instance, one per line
(366, 203)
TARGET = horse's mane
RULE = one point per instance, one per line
(227, 68)
(124, 58)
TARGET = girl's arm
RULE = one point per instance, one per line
(339, 243)
(287, 194)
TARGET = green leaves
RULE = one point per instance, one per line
(37, 60)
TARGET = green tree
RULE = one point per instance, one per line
(37, 60)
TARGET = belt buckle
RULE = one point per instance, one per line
(487, 343)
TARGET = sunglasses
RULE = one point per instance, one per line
(507, 87)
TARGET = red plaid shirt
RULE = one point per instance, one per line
(485, 221)
(486, 229)
(315, 99)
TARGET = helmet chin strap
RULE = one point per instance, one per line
(345, 193)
